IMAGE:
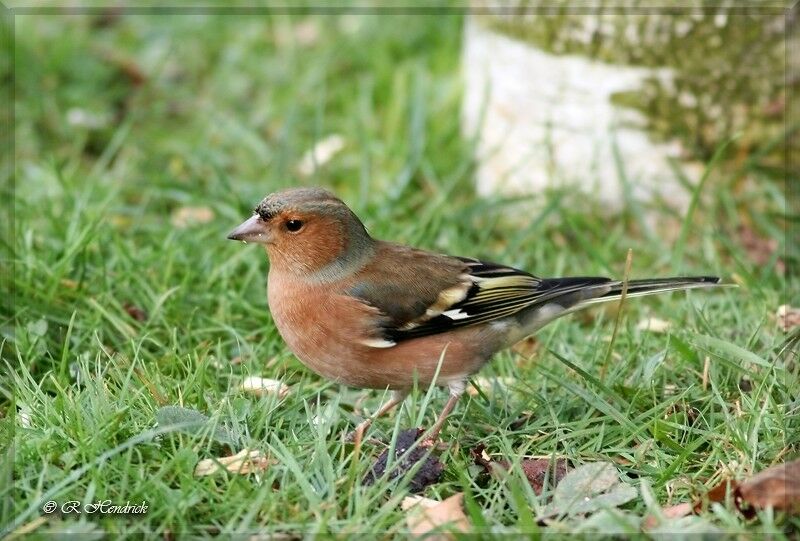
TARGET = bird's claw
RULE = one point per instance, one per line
(353, 436)
(357, 434)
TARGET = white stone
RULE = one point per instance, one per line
(546, 120)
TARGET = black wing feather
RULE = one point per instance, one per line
(498, 291)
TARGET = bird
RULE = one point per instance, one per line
(374, 314)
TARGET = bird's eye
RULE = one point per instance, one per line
(294, 225)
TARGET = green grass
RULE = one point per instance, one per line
(224, 114)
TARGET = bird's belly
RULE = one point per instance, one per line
(455, 355)
(398, 367)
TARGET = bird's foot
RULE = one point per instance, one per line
(434, 442)
(356, 436)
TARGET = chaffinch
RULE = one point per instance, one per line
(378, 315)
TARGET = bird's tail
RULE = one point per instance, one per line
(577, 293)
(561, 296)
(640, 288)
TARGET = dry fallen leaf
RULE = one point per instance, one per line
(777, 487)
(413, 500)
(426, 515)
(536, 469)
(264, 386)
(322, 152)
(183, 217)
(481, 457)
(243, 462)
(653, 324)
(135, 312)
(788, 317)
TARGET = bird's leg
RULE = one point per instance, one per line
(456, 390)
(358, 434)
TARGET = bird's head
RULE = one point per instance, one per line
(307, 231)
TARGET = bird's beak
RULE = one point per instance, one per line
(251, 230)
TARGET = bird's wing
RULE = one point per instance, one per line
(423, 294)
(488, 292)
(407, 285)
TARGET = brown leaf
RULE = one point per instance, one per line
(716, 494)
(788, 317)
(536, 469)
(135, 312)
(429, 473)
(426, 515)
(243, 462)
(777, 487)
(481, 457)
